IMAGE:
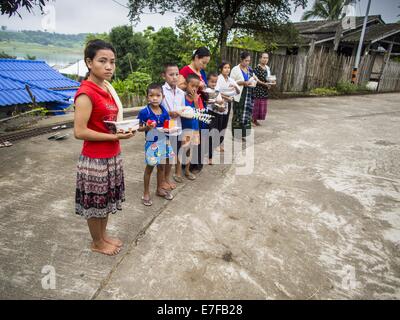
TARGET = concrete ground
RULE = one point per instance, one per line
(318, 217)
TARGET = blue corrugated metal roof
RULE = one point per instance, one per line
(35, 73)
(13, 92)
(70, 93)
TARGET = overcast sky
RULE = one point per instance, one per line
(82, 16)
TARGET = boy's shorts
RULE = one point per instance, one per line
(190, 137)
(176, 143)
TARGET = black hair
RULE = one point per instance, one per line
(92, 47)
(192, 76)
(222, 65)
(155, 86)
(201, 53)
(244, 55)
(169, 65)
(212, 74)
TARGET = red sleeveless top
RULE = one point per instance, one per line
(103, 108)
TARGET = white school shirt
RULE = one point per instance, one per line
(223, 84)
(173, 99)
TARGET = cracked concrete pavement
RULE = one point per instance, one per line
(317, 218)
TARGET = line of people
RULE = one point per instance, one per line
(100, 187)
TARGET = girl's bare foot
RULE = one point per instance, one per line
(210, 162)
(114, 241)
(105, 248)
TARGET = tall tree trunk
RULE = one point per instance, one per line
(338, 36)
(228, 23)
(223, 47)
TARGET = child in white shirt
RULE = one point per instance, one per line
(173, 100)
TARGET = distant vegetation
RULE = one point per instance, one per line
(44, 38)
(4, 55)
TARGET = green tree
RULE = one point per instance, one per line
(164, 47)
(133, 89)
(192, 36)
(222, 16)
(247, 42)
(4, 55)
(93, 36)
(326, 10)
(132, 50)
(29, 57)
(3, 28)
(11, 7)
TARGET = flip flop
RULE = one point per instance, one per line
(54, 136)
(62, 137)
(5, 144)
(190, 176)
(172, 187)
(178, 179)
(147, 203)
(167, 195)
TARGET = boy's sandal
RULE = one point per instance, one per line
(62, 137)
(54, 136)
(172, 186)
(190, 176)
(5, 144)
(178, 179)
(147, 202)
(167, 195)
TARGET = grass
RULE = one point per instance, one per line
(324, 92)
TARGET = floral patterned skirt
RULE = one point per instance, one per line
(100, 187)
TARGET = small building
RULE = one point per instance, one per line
(24, 82)
(379, 38)
(77, 69)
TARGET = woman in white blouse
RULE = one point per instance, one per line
(228, 88)
(243, 102)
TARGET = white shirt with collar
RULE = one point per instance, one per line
(224, 84)
(173, 100)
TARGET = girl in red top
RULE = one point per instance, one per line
(100, 188)
(200, 59)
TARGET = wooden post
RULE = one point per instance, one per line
(338, 36)
(384, 65)
(312, 47)
(31, 95)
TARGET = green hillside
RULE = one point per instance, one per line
(44, 38)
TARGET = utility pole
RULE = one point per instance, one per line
(358, 56)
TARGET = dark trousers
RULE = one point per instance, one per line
(220, 123)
